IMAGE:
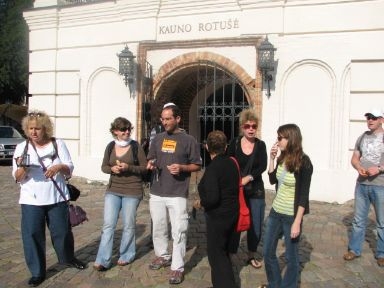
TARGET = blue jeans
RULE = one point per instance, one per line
(278, 224)
(365, 195)
(112, 206)
(257, 207)
(33, 219)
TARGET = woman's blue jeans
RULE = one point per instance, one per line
(278, 224)
(112, 207)
(365, 195)
(33, 219)
(257, 207)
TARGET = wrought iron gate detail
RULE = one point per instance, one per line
(220, 98)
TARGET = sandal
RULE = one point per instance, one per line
(254, 263)
(99, 267)
(350, 256)
(122, 263)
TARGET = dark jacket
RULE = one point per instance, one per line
(219, 187)
(303, 183)
(258, 166)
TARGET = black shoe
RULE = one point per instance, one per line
(35, 281)
(76, 263)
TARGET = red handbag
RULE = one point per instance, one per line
(244, 221)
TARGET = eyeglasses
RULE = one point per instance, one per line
(371, 117)
(33, 114)
(279, 138)
(123, 129)
(247, 126)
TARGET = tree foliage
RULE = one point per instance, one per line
(13, 51)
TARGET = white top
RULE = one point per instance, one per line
(35, 189)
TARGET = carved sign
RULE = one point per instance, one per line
(229, 24)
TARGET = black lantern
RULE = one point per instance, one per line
(127, 67)
(266, 61)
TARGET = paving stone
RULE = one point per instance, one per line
(324, 241)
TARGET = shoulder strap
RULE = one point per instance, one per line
(238, 168)
(54, 143)
(361, 140)
(53, 180)
(248, 167)
(134, 146)
(26, 147)
(110, 147)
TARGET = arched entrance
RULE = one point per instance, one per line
(210, 88)
(209, 96)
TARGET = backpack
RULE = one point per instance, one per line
(146, 177)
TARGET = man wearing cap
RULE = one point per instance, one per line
(368, 160)
(172, 156)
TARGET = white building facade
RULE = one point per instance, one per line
(329, 71)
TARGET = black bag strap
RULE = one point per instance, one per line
(134, 147)
(247, 169)
(45, 169)
(25, 148)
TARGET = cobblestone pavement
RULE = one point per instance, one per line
(323, 243)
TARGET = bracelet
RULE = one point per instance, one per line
(250, 178)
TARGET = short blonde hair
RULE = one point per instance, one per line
(248, 115)
(42, 120)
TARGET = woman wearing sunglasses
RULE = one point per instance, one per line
(124, 192)
(251, 154)
(292, 176)
(38, 162)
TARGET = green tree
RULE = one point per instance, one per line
(13, 51)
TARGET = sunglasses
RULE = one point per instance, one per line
(371, 117)
(123, 129)
(247, 126)
(33, 114)
(279, 138)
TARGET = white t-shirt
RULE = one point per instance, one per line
(35, 189)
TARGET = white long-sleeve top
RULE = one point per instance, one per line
(35, 188)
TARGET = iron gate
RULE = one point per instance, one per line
(220, 99)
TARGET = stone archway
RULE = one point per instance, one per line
(181, 69)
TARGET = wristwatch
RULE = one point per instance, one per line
(381, 169)
(250, 178)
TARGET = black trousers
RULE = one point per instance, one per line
(219, 231)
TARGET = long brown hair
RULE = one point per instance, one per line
(293, 153)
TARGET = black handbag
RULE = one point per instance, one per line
(74, 193)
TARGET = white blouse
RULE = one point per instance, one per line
(35, 188)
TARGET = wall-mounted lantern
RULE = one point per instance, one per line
(127, 68)
(266, 61)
